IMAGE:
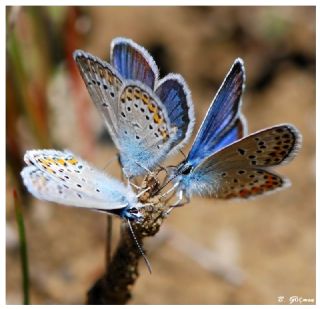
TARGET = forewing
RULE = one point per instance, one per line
(235, 132)
(241, 169)
(176, 97)
(222, 113)
(133, 61)
(103, 84)
(60, 177)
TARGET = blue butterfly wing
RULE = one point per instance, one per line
(221, 116)
(234, 133)
(133, 61)
(176, 97)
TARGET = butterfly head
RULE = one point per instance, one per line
(133, 213)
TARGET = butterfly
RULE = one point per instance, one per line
(148, 118)
(61, 177)
(222, 163)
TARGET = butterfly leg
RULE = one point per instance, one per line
(171, 190)
(143, 191)
(179, 202)
(162, 168)
(130, 183)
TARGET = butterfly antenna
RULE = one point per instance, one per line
(143, 167)
(139, 247)
(110, 161)
(185, 157)
(170, 179)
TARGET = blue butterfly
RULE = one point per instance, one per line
(61, 177)
(147, 118)
(224, 164)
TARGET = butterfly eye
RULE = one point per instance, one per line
(187, 170)
(133, 210)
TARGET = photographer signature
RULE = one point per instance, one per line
(294, 300)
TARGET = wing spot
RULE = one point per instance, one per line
(241, 151)
(241, 172)
(137, 137)
(123, 115)
(97, 190)
(79, 186)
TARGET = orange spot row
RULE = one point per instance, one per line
(164, 133)
(157, 118)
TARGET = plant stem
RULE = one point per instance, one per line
(23, 248)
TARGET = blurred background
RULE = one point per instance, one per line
(210, 251)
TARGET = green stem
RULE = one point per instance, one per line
(23, 248)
